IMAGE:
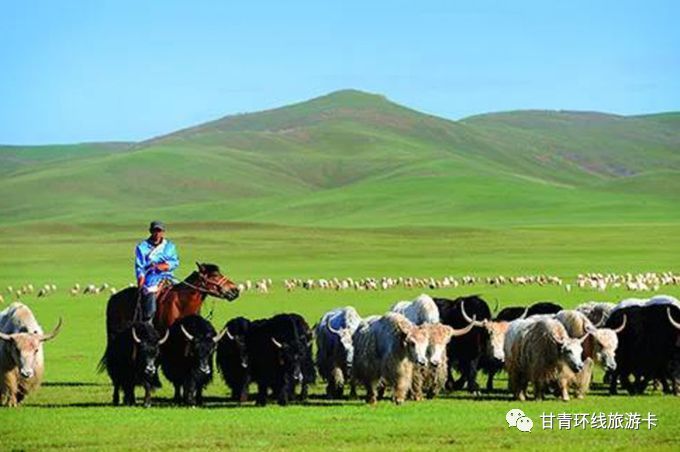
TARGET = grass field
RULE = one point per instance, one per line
(72, 409)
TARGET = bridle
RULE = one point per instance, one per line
(205, 281)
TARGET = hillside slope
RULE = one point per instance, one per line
(356, 159)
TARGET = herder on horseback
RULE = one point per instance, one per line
(155, 260)
(156, 299)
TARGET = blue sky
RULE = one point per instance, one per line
(74, 71)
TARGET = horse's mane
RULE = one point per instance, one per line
(211, 268)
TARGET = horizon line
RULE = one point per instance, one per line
(338, 91)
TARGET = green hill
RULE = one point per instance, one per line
(356, 159)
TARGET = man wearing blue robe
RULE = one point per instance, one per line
(155, 260)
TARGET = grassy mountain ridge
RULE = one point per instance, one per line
(356, 159)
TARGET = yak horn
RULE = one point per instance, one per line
(186, 333)
(164, 338)
(465, 330)
(135, 337)
(670, 318)
(560, 341)
(229, 335)
(584, 337)
(590, 328)
(524, 314)
(623, 324)
(330, 328)
(277, 343)
(219, 336)
(53, 334)
(601, 321)
(472, 321)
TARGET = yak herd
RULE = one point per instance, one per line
(418, 349)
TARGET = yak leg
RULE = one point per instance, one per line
(199, 396)
(8, 389)
(401, 387)
(470, 374)
(450, 382)
(564, 388)
(353, 390)
(416, 392)
(147, 395)
(261, 394)
(665, 385)
(190, 393)
(178, 394)
(282, 391)
(640, 384)
(626, 383)
(459, 384)
(538, 390)
(371, 392)
(116, 394)
(129, 394)
(381, 390)
(583, 378)
(242, 394)
(489, 381)
(334, 388)
(304, 391)
(613, 382)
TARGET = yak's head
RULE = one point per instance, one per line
(416, 342)
(606, 343)
(495, 334)
(200, 349)
(24, 348)
(237, 344)
(146, 348)
(290, 356)
(571, 350)
(344, 336)
(440, 335)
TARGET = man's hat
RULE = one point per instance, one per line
(157, 225)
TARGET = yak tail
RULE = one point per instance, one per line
(102, 366)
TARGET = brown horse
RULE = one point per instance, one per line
(180, 300)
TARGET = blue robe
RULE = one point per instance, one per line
(146, 254)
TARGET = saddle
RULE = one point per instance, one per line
(163, 288)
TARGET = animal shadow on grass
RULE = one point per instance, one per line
(69, 405)
(71, 384)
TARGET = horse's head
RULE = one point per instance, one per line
(216, 283)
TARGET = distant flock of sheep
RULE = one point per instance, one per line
(640, 282)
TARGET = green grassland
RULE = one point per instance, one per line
(72, 409)
(348, 184)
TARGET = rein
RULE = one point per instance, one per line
(208, 292)
(203, 289)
